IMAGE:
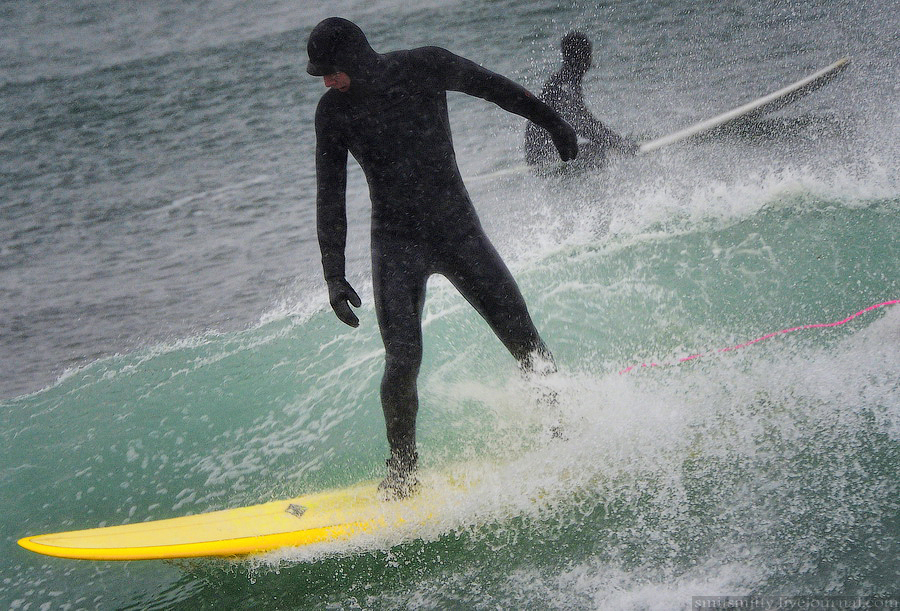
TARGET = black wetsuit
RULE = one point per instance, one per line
(564, 94)
(394, 121)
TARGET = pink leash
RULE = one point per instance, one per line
(759, 339)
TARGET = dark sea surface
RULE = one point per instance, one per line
(166, 346)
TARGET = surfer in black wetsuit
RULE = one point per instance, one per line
(390, 112)
(563, 93)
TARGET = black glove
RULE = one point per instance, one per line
(339, 293)
(565, 140)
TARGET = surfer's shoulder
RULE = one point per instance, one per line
(331, 109)
(432, 57)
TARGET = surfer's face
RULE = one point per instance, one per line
(338, 80)
(581, 61)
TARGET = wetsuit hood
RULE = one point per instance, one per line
(339, 45)
(577, 52)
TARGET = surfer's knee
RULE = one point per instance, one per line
(402, 362)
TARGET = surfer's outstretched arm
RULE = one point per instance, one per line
(460, 74)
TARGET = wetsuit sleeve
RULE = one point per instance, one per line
(456, 73)
(331, 193)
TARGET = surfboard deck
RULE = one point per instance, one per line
(312, 518)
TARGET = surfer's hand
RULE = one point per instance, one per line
(565, 140)
(339, 294)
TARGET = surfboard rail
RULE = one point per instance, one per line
(330, 515)
(304, 520)
(766, 104)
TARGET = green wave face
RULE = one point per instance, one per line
(774, 463)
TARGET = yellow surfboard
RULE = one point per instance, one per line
(312, 518)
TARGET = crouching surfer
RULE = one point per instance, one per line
(563, 93)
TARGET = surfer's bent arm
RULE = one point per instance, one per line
(607, 137)
(599, 133)
(589, 126)
(331, 195)
(460, 74)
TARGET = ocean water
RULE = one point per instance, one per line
(166, 347)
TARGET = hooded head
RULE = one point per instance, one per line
(338, 45)
(577, 51)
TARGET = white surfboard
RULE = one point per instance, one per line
(760, 106)
(768, 103)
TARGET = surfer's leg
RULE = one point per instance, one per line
(479, 274)
(399, 277)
